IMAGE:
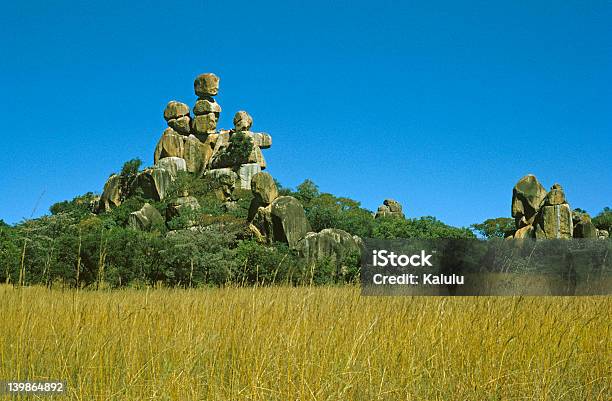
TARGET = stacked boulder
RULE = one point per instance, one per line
(192, 144)
(197, 140)
(547, 215)
(389, 208)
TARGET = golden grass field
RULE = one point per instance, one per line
(326, 343)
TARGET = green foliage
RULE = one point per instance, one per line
(603, 220)
(238, 150)
(424, 227)
(495, 228)
(78, 207)
(131, 167)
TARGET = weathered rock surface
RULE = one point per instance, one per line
(206, 105)
(153, 183)
(172, 164)
(206, 85)
(224, 182)
(585, 229)
(330, 243)
(260, 139)
(145, 219)
(527, 196)
(554, 222)
(111, 195)
(170, 145)
(389, 208)
(556, 196)
(194, 153)
(175, 109)
(263, 188)
(242, 121)
(525, 232)
(289, 223)
(246, 173)
(204, 123)
(182, 125)
(603, 234)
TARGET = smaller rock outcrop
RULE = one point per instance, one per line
(111, 195)
(583, 226)
(390, 208)
(146, 218)
(273, 218)
(527, 196)
(331, 243)
(547, 215)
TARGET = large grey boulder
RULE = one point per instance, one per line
(330, 243)
(145, 219)
(206, 85)
(289, 223)
(527, 196)
(175, 109)
(263, 188)
(283, 220)
(153, 183)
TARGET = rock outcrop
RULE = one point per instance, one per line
(273, 218)
(390, 208)
(146, 218)
(331, 243)
(547, 215)
(111, 195)
(197, 140)
(527, 196)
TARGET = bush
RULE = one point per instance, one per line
(603, 220)
(424, 227)
(495, 228)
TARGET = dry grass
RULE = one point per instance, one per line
(306, 344)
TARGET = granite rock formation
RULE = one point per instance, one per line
(390, 208)
(547, 215)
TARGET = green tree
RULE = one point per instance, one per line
(603, 220)
(495, 228)
(131, 167)
(238, 150)
(424, 227)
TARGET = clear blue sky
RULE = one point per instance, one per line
(442, 105)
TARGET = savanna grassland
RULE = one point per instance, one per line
(305, 343)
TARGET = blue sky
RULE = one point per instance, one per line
(442, 105)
